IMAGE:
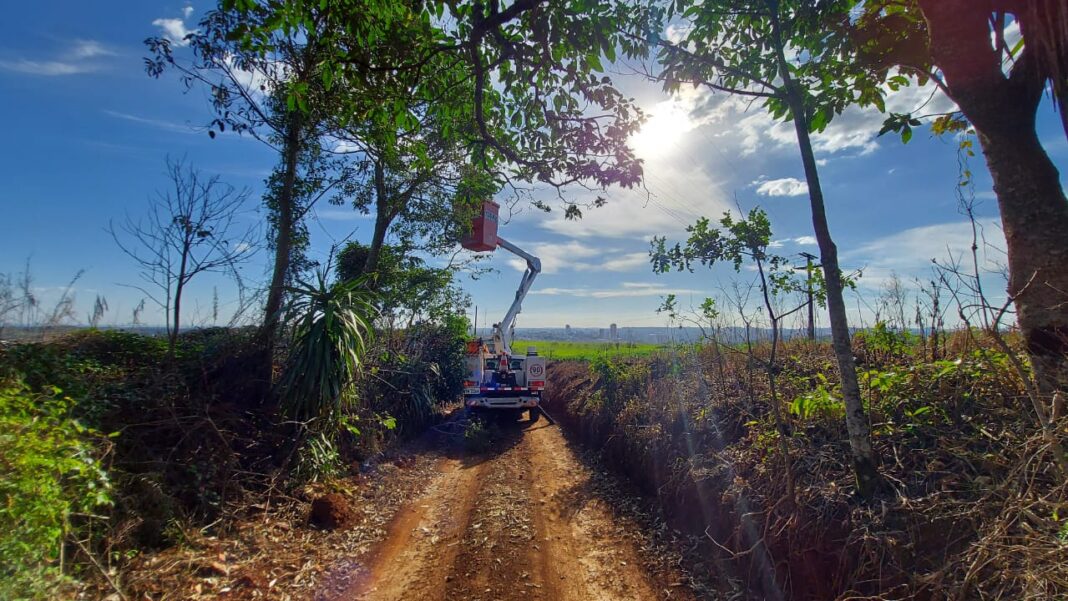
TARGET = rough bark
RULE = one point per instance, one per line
(1034, 210)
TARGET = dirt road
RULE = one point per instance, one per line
(521, 521)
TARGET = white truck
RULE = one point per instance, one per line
(498, 379)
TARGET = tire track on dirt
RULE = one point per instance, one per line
(589, 553)
(500, 559)
(421, 545)
(521, 522)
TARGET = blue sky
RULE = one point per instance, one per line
(87, 133)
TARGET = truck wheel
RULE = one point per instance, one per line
(535, 413)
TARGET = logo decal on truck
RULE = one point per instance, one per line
(537, 369)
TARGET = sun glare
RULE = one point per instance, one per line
(662, 131)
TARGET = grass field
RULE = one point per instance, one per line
(559, 349)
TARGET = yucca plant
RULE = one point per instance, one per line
(331, 327)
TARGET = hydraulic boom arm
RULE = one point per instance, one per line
(502, 332)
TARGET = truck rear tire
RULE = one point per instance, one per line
(535, 414)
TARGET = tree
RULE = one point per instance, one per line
(275, 97)
(189, 230)
(738, 241)
(406, 288)
(523, 74)
(793, 56)
(961, 46)
(420, 180)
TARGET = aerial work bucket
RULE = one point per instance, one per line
(483, 234)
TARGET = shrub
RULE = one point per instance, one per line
(883, 344)
(49, 473)
(332, 324)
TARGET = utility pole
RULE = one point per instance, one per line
(809, 258)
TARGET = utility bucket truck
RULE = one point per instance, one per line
(498, 379)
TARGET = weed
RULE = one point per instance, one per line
(819, 402)
(49, 473)
(478, 437)
(318, 459)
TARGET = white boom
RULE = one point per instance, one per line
(503, 331)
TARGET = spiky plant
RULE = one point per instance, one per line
(331, 326)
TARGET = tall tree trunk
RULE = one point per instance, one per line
(179, 287)
(865, 462)
(1034, 210)
(176, 317)
(1034, 215)
(383, 218)
(283, 242)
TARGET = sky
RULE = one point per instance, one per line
(87, 134)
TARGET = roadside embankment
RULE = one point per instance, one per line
(974, 508)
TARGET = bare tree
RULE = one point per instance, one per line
(893, 300)
(192, 228)
(10, 302)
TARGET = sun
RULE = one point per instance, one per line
(663, 130)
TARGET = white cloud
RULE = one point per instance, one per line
(625, 290)
(676, 194)
(187, 11)
(89, 49)
(346, 147)
(174, 30)
(257, 82)
(47, 68)
(746, 128)
(800, 241)
(787, 186)
(625, 262)
(555, 257)
(910, 252)
(75, 60)
(160, 123)
(1012, 36)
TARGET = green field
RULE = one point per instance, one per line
(559, 349)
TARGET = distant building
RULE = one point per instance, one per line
(600, 333)
(613, 334)
(567, 331)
